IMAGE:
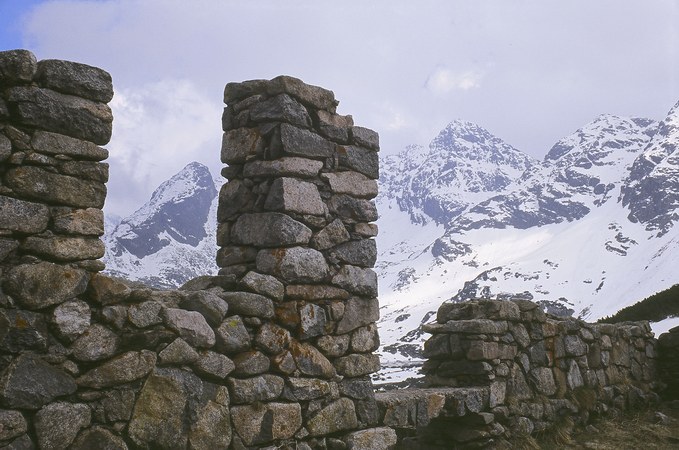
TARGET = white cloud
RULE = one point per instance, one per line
(444, 81)
(158, 128)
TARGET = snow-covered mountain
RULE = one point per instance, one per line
(587, 231)
(171, 238)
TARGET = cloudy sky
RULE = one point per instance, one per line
(530, 71)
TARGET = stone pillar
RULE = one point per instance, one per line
(296, 234)
(53, 117)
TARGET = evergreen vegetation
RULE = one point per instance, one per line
(657, 307)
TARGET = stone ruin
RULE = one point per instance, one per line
(276, 351)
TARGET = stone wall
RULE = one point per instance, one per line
(275, 352)
(534, 370)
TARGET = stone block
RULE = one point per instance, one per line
(29, 383)
(310, 361)
(473, 326)
(52, 111)
(269, 230)
(232, 336)
(365, 137)
(71, 319)
(358, 312)
(339, 415)
(249, 304)
(334, 346)
(359, 159)
(58, 424)
(88, 170)
(357, 280)
(234, 197)
(295, 141)
(22, 331)
(313, 292)
(382, 438)
(96, 343)
(256, 389)
(64, 248)
(36, 286)
(357, 364)
(17, 67)
(178, 352)
(333, 234)
(122, 369)
(75, 79)
(365, 339)
(86, 222)
(296, 196)
(190, 326)
(264, 285)
(352, 209)
(250, 363)
(272, 338)
(5, 143)
(59, 144)
(39, 184)
(312, 321)
(362, 253)
(22, 216)
(213, 364)
(281, 108)
(304, 389)
(266, 422)
(13, 424)
(240, 145)
(294, 264)
(287, 166)
(351, 183)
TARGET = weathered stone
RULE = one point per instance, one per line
(88, 170)
(294, 264)
(264, 285)
(97, 342)
(543, 380)
(310, 361)
(76, 79)
(240, 145)
(574, 346)
(473, 326)
(361, 253)
(574, 376)
(212, 429)
(365, 137)
(269, 230)
(272, 338)
(357, 364)
(59, 144)
(334, 345)
(358, 312)
(22, 216)
(36, 286)
(99, 438)
(334, 127)
(298, 142)
(478, 309)
(145, 314)
(303, 389)
(87, 222)
(232, 335)
(57, 424)
(314, 292)
(63, 248)
(7, 247)
(359, 159)
(293, 195)
(12, 424)
(358, 280)
(106, 290)
(6, 144)
(213, 364)
(22, 330)
(261, 423)
(281, 108)
(250, 363)
(122, 369)
(339, 415)
(517, 388)
(191, 326)
(56, 188)
(311, 321)
(315, 96)
(382, 438)
(209, 304)
(174, 407)
(260, 388)
(353, 209)
(178, 352)
(365, 339)
(352, 183)
(287, 166)
(357, 388)
(333, 234)
(497, 393)
(17, 66)
(249, 304)
(234, 197)
(29, 383)
(52, 111)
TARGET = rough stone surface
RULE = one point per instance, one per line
(99, 438)
(264, 285)
(262, 423)
(360, 159)
(293, 195)
(37, 286)
(57, 424)
(241, 144)
(352, 183)
(232, 335)
(29, 382)
(122, 369)
(17, 66)
(361, 253)
(22, 330)
(310, 361)
(294, 265)
(96, 343)
(333, 234)
(22, 216)
(213, 364)
(298, 142)
(59, 144)
(88, 222)
(62, 248)
(259, 388)
(269, 230)
(339, 415)
(352, 209)
(191, 326)
(52, 111)
(12, 424)
(382, 438)
(178, 352)
(357, 364)
(249, 304)
(250, 363)
(281, 108)
(55, 188)
(76, 79)
(288, 166)
(210, 305)
(358, 312)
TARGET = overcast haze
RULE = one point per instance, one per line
(529, 71)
